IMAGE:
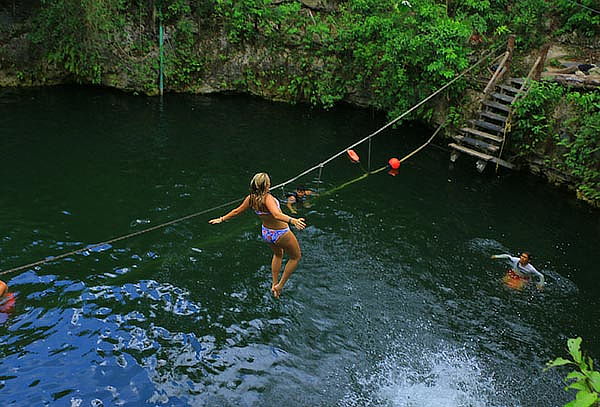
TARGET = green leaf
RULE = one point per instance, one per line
(574, 348)
(581, 386)
(558, 362)
(575, 375)
(583, 399)
(595, 380)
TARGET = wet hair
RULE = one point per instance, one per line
(259, 188)
(301, 188)
(528, 255)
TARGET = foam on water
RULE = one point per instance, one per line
(445, 377)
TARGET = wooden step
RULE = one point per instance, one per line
(477, 143)
(509, 88)
(487, 126)
(496, 105)
(482, 134)
(503, 163)
(504, 98)
(517, 81)
(493, 116)
(469, 151)
(481, 156)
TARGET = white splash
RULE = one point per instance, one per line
(441, 378)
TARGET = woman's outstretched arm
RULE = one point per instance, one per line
(233, 213)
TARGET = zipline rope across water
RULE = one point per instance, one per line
(281, 185)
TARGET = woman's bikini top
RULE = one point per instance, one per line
(267, 213)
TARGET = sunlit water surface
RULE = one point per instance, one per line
(395, 303)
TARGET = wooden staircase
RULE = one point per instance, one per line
(485, 136)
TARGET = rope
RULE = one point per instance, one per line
(366, 174)
(281, 185)
(116, 239)
(369, 158)
(584, 6)
(376, 132)
(423, 146)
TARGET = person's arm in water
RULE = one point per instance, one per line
(275, 211)
(233, 213)
(532, 270)
(513, 260)
(505, 256)
(290, 204)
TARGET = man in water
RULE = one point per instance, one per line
(297, 198)
(521, 268)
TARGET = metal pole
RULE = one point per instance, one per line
(160, 46)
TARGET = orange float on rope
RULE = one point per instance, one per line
(353, 156)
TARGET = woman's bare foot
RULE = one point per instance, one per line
(276, 290)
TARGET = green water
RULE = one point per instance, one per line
(395, 301)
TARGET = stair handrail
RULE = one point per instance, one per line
(523, 89)
(502, 67)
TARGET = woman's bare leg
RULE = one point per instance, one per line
(289, 244)
(276, 264)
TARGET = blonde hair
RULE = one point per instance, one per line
(259, 188)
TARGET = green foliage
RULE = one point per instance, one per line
(534, 120)
(173, 9)
(528, 19)
(398, 50)
(183, 60)
(538, 124)
(584, 379)
(247, 19)
(74, 33)
(405, 52)
(580, 19)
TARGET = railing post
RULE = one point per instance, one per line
(510, 48)
(540, 66)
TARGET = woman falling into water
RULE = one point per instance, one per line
(275, 229)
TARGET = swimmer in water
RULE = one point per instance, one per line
(275, 229)
(521, 268)
(298, 198)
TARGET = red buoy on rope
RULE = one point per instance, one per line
(394, 165)
(353, 156)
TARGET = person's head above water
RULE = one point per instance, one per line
(301, 190)
(524, 258)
